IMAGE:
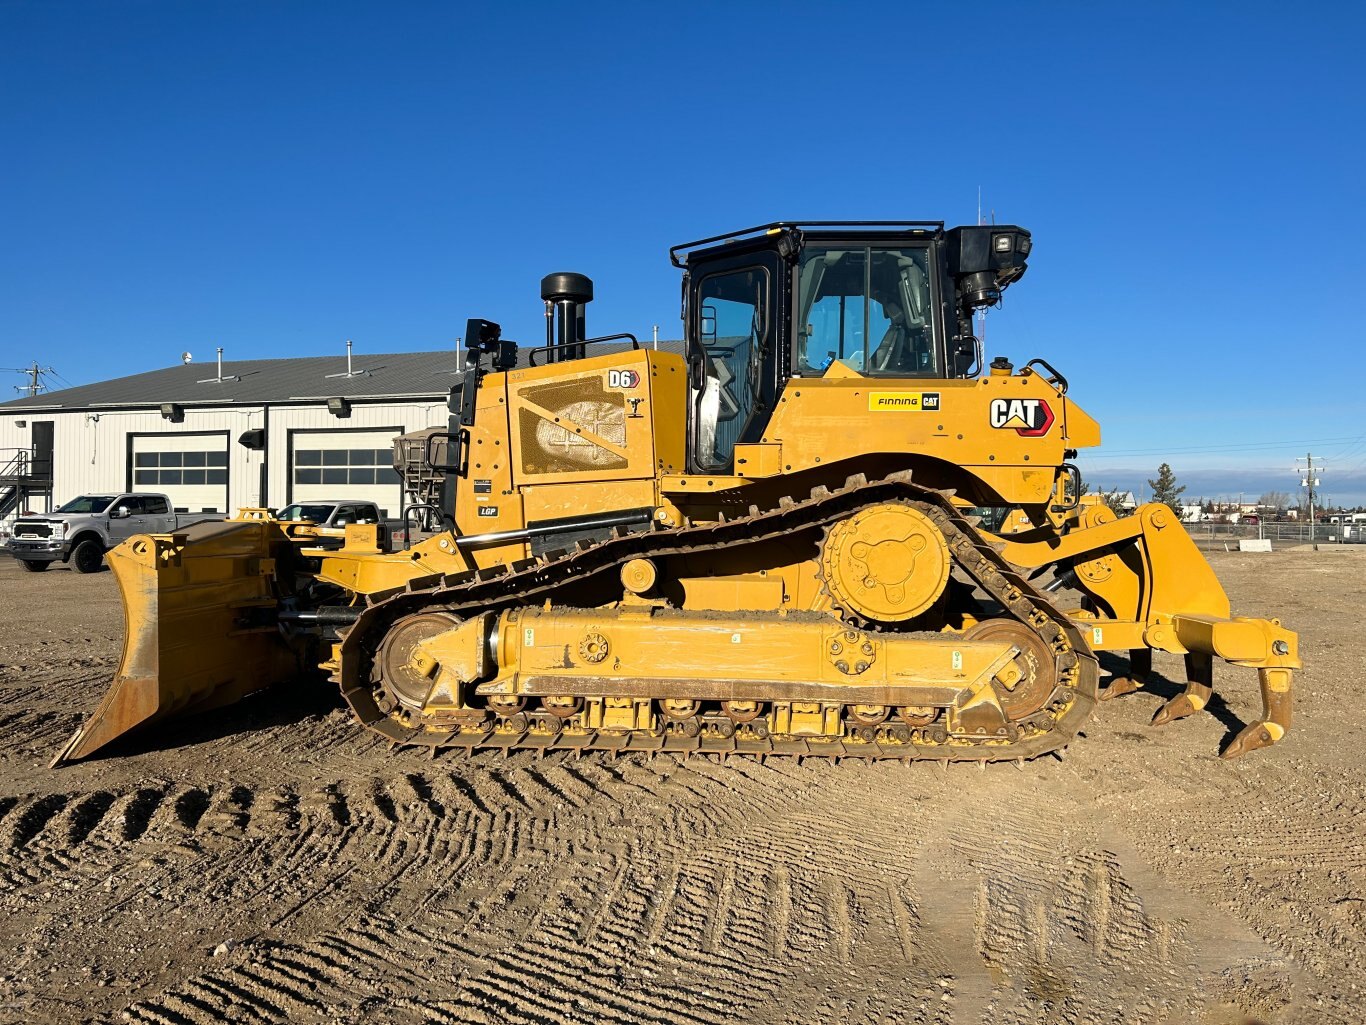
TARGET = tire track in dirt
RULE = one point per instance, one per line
(499, 883)
(356, 884)
(1080, 939)
(1268, 856)
(558, 867)
(40, 707)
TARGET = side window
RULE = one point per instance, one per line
(129, 502)
(158, 506)
(732, 327)
(834, 310)
(345, 514)
(869, 308)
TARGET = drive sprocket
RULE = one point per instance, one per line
(887, 563)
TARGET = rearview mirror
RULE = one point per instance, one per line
(122, 512)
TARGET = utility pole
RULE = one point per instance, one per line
(1310, 481)
(35, 374)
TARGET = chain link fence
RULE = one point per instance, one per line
(1281, 535)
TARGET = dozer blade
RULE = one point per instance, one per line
(199, 626)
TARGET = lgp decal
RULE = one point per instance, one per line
(488, 510)
(903, 401)
(1029, 418)
(622, 379)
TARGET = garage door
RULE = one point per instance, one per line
(191, 468)
(350, 465)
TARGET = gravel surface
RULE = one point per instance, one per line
(274, 862)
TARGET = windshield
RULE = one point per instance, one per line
(87, 504)
(870, 309)
(310, 513)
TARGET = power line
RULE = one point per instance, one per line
(35, 374)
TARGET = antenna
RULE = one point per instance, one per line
(981, 330)
(220, 379)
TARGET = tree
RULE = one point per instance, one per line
(1114, 500)
(1165, 489)
(1276, 501)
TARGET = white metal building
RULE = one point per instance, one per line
(255, 433)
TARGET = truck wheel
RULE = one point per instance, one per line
(88, 557)
(34, 567)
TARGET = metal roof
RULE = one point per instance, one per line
(397, 375)
(256, 381)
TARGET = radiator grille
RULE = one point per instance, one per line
(582, 404)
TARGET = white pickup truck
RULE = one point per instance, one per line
(81, 531)
(322, 524)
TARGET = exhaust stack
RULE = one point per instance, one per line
(565, 294)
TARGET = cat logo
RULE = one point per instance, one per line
(622, 379)
(1029, 418)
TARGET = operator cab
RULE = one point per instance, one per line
(787, 300)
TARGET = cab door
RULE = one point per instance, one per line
(733, 359)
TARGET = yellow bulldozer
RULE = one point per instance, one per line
(766, 545)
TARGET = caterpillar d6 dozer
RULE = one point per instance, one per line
(764, 546)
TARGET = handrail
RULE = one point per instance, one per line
(1056, 379)
(434, 511)
(735, 236)
(531, 353)
(19, 463)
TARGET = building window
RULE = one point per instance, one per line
(176, 469)
(344, 466)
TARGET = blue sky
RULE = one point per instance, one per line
(277, 178)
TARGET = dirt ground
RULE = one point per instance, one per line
(274, 863)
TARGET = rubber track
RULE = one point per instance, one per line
(534, 581)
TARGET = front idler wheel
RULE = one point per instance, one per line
(402, 682)
(1037, 675)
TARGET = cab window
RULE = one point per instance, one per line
(868, 307)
